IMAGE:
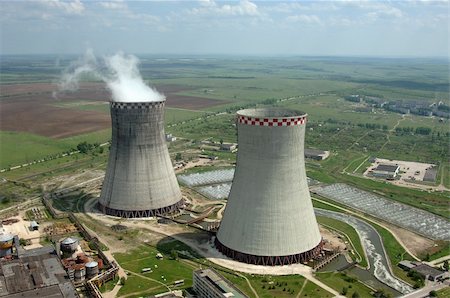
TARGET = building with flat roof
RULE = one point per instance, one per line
(429, 272)
(210, 284)
(430, 174)
(385, 171)
(316, 154)
(36, 273)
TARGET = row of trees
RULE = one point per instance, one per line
(409, 130)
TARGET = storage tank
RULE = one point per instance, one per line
(80, 273)
(91, 269)
(140, 180)
(69, 245)
(6, 244)
(269, 217)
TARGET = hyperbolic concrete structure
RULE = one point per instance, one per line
(269, 217)
(140, 180)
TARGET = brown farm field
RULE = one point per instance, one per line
(33, 108)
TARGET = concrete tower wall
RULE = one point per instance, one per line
(269, 217)
(140, 180)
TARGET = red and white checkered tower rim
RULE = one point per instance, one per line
(271, 117)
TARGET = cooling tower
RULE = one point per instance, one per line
(140, 180)
(269, 217)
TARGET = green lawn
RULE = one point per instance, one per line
(139, 285)
(444, 293)
(165, 270)
(339, 280)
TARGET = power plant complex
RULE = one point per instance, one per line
(140, 180)
(269, 217)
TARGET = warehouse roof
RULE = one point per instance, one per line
(387, 168)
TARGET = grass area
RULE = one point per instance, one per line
(217, 128)
(285, 286)
(441, 250)
(138, 285)
(165, 270)
(340, 280)
(106, 287)
(444, 293)
(350, 233)
(18, 148)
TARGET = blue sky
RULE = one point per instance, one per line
(330, 28)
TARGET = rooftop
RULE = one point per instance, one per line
(428, 270)
(386, 167)
(38, 272)
(220, 283)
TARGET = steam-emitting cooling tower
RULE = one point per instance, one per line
(269, 217)
(140, 180)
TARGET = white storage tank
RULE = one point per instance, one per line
(69, 244)
(91, 269)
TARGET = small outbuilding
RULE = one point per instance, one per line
(429, 272)
(34, 226)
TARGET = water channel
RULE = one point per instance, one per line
(376, 256)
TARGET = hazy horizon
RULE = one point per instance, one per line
(231, 28)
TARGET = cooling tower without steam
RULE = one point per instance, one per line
(269, 217)
(140, 180)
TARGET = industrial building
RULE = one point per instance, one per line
(316, 154)
(35, 273)
(385, 171)
(425, 270)
(210, 284)
(140, 180)
(430, 174)
(269, 217)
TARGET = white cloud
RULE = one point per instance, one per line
(70, 7)
(243, 8)
(305, 19)
(117, 4)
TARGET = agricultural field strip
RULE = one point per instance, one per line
(378, 260)
(419, 221)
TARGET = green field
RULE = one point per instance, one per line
(338, 281)
(166, 272)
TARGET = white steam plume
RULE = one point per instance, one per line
(120, 73)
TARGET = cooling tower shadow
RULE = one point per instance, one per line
(195, 246)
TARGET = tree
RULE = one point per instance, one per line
(174, 254)
(355, 295)
(344, 291)
(178, 156)
(446, 266)
(122, 280)
(433, 294)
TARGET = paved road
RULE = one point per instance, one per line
(423, 292)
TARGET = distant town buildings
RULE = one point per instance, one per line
(208, 283)
(406, 106)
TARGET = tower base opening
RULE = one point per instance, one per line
(269, 260)
(141, 213)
